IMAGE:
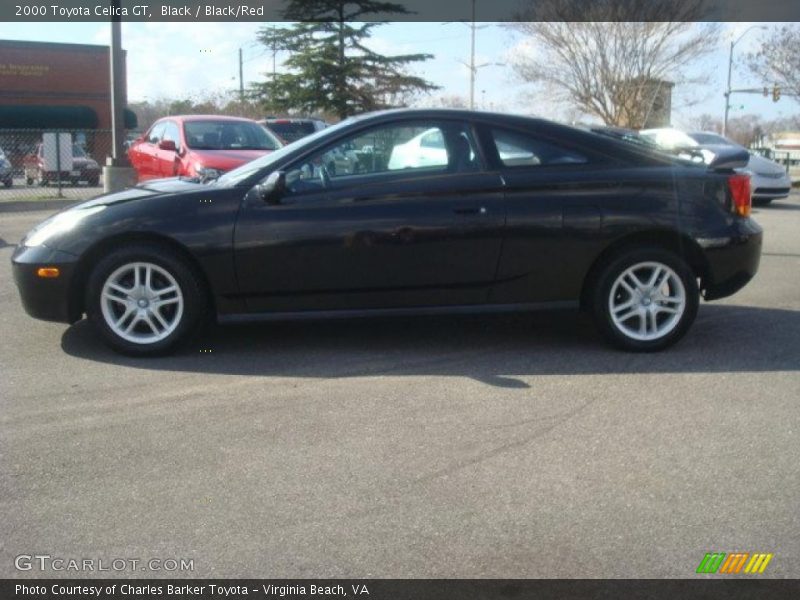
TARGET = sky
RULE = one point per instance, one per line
(179, 60)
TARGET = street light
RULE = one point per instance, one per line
(730, 69)
(473, 68)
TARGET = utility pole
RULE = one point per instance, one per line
(117, 172)
(472, 67)
(241, 79)
(728, 90)
(117, 95)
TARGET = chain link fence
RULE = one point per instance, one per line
(38, 164)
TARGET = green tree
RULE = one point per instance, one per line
(330, 69)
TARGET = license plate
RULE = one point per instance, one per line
(75, 173)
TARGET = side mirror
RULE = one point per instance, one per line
(273, 189)
(168, 145)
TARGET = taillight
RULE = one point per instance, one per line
(739, 185)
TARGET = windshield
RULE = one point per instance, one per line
(711, 139)
(77, 151)
(228, 135)
(291, 131)
(238, 175)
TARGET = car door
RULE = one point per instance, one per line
(379, 238)
(555, 193)
(148, 161)
(166, 161)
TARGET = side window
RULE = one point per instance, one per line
(519, 149)
(424, 147)
(156, 133)
(171, 132)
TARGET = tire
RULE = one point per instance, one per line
(8, 183)
(131, 324)
(761, 201)
(632, 311)
(94, 182)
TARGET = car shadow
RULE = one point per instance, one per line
(496, 350)
(784, 204)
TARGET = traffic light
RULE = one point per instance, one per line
(776, 93)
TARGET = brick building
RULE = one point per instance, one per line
(49, 85)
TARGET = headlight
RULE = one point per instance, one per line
(60, 223)
(205, 173)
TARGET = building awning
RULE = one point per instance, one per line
(20, 116)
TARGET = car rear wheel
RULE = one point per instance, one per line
(645, 299)
(144, 300)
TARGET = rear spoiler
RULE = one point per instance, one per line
(728, 159)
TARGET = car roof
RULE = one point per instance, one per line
(206, 118)
(292, 120)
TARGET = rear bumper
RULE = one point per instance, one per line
(46, 299)
(732, 260)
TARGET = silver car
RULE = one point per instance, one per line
(769, 180)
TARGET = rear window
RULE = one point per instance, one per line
(292, 131)
(521, 150)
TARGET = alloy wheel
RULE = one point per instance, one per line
(647, 301)
(142, 302)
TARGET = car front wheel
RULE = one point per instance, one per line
(645, 299)
(144, 300)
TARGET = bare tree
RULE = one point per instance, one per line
(777, 62)
(608, 58)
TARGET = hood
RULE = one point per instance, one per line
(759, 164)
(154, 187)
(225, 160)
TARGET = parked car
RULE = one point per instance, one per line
(769, 180)
(631, 235)
(291, 130)
(200, 146)
(6, 170)
(84, 168)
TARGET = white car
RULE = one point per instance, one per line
(768, 180)
(426, 149)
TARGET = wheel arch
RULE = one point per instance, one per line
(77, 292)
(673, 241)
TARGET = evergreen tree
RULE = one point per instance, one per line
(330, 70)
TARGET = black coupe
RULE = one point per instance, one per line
(441, 211)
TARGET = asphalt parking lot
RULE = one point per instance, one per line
(513, 446)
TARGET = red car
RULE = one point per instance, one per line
(203, 146)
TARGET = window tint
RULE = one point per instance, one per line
(156, 133)
(414, 147)
(518, 149)
(291, 131)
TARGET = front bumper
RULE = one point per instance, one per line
(732, 259)
(46, 299)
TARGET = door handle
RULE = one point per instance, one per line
(470, 210)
